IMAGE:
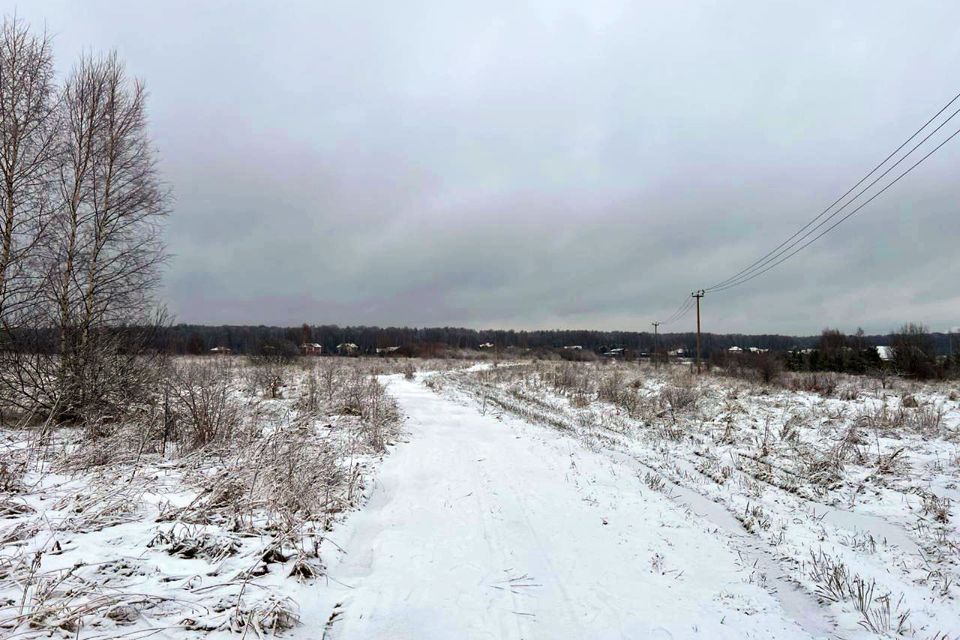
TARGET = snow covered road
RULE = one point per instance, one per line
(482, 527)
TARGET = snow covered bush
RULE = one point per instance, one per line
(204, 405)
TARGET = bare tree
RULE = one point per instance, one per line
(29, 149)
(913, 351)
(28, 154)
(81, 209)
(110, 242)
(103, 249)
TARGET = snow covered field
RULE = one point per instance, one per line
(840, 500)
(537, 500)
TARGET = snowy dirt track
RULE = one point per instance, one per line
(482, 527)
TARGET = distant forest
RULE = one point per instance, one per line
(199, 339)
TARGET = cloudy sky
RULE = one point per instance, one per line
(539, 165)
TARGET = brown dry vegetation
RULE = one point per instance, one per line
(237, 470)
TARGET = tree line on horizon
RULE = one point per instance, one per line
(248, 339)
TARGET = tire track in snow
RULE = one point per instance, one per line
(797, 602)
(537, 546)
(470, 504)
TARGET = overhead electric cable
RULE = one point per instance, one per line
(841, 220)
(679, 312)
(683, 310)
(793, 240)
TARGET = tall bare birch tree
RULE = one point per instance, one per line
(105, 249)
(29, 149)
(81, 208)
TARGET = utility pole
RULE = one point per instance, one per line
(656, 363)
(950, 361)
(698, 294)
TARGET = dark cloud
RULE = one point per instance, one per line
(555, 164)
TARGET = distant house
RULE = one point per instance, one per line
(735, 350)
(574, 347)
(386, 350)
(221, 351)
(614, 353)
(885, 353)
(347, 349)
(311, 349)
(678, 353)
(486, 345)
(757, 350)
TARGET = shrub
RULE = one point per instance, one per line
(823, 383)
(913, 352)
(578, 355)
(678, 398)
(362, 396)
(270, 367)
(767, 366)
(202, 404)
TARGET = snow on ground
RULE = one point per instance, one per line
(489, 527)
(112, 538)
(529, 501)
(847, 493)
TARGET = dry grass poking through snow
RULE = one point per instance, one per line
(860, 475)
(199, 516)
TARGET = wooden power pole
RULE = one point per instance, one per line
(656, 363)
(698, 294)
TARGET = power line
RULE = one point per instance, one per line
(769, 256)
(680, 312)
(676, 312)
(841, 220)
(792, 245)
(735, 281)
(793, 240)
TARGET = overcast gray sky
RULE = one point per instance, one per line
(539, 165)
